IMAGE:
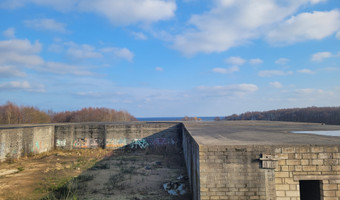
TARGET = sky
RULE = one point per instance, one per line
(167, 58)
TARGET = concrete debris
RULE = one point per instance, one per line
(147, 167)
(181, 177)
(175, 188)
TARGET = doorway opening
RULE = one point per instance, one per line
(310, 190)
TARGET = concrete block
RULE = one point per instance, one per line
(329, 193)
(292, 193)
(325, 156)
(317, 162)
(317, 149)
(293, 162)
(282, 187)
(330, 187)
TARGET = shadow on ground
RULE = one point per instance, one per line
(131, 174)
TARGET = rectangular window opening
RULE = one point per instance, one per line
(310, 190)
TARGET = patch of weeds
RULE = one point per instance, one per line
(84, 178)
(100, 166)
(120, 163)
(115, 182)
(128, 158)
(20, 169)
(66, 191)
(128, 170)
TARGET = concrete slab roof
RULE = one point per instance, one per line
(259, 133)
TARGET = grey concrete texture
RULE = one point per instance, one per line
(259, 133)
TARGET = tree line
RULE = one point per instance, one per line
(327, 115)
(11, 113)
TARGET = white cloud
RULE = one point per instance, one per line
(255, 61)
(56, 48)
(10, 71)
(139, 35)
(118, 12)
(24, 85)
(46, 24)
(23, 46)
(232, 23)
(122, 53)
(312, 91)
(226, 70)
(235, 60)
(306, 71)
(270, 73)
(338, 35)
(62, 68)
(227, 90)
(306, 26)
(24, 54)
(276, 84)
(159, 69)
(83, 51)
(60, 5)
(320, 56)
(131, 11)
(9, 33)
(21, 52)
(281, 61)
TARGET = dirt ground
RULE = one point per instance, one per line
(95, 174)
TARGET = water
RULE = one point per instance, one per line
(148, 119)
(327, 133)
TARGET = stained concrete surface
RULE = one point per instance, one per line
(259, 133)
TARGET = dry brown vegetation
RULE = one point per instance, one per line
(11, 113)
(327, 115)
(92, 174)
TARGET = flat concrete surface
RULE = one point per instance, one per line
(259, 133)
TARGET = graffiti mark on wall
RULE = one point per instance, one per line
(139, 143)
(61, 143)
(116, 143)
(87, 143)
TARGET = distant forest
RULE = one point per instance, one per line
(11, 113)
(327, 115)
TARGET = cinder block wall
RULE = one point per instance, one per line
(234, 172)
(309, 162)
(192, 160)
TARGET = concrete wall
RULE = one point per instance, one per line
(78, 136)
(16, 142)
(24, 140)
(233, 172)
(141, 135)
(191, 151)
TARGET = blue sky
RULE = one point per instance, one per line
(158, 58)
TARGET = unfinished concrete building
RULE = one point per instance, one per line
(225, 160)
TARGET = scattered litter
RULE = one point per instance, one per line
(181, 177)
(175, 188)
(147, 167)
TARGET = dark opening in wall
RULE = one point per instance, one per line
(310, 190)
